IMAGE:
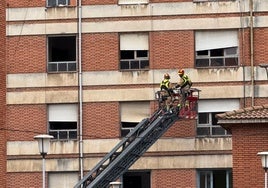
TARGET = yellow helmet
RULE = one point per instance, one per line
(166, 76)
(181, 72)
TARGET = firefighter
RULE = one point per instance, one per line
(184, 85)
(166, 90)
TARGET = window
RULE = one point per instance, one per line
(61, 53)
(132, 2)
(216, 49)
(131, 114)
(215, 178)
(62, 179)
(53, 3)
(207, 124)
(137, 179)
(134, 53)
(63, 121)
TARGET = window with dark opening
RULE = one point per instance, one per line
(137, 179)
(216, 178)
(61, 53)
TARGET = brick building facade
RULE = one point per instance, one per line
(88, 74)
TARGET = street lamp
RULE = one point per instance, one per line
(43, 144)
(264, 162)
(115, 184)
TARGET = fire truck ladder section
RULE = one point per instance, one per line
(130, 149)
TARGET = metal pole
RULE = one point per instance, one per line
(265, 179)
(44, 169)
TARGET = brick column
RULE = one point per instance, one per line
(2, 94)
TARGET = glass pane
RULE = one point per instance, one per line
(62, 66)
(51, 3)
(217, 62)
(142, 53)
(202, 62)
(144, 64)
(124, 132)
(232, 61)
(134, 65)
(71, 66)
(203, 118)
(214, 119)
(203, 131)
(218, 131)
(73, 134)
(127, 54)
(216, 53)
(124, 65)
(52, 67)
(63, 135)
(128, 124)
(202, 53)
(231, 51)
(62, 2)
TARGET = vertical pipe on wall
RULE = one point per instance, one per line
(251, 52)
(80, 90)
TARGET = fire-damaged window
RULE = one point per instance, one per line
(62, 121)
(216, 49)
(134, 51)
(214, 178)
(61, 53)
(131, 114)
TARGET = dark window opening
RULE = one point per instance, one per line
(62, 48)
(127, 54)
(215, 179)
(137, 179)
(61, 53)
(126, 127)
(63, 130)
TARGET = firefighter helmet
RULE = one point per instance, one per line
(166, 76)
(181, 72)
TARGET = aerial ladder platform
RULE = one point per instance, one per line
(140, 139)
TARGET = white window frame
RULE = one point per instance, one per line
(58, 3)
(131, 45)
(218, 48)
(66, 64)
(59, 116)
(131, 113)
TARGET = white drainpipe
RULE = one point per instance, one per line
(80, 90)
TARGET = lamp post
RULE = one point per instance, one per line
(264, 162)
(115, 184)
(43, 145)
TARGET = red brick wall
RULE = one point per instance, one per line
(26, 121)
(24, 180)
(177, 178)
(101, 120)
(26, 3)
(2, 94)
(100, 52)
(170, 49)
(248, 140)
(26, 54)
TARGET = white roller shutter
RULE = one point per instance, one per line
(218, 105)
(62, 180)
(134, 111)
(206, 40)
(62, 112)
(137, 41)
